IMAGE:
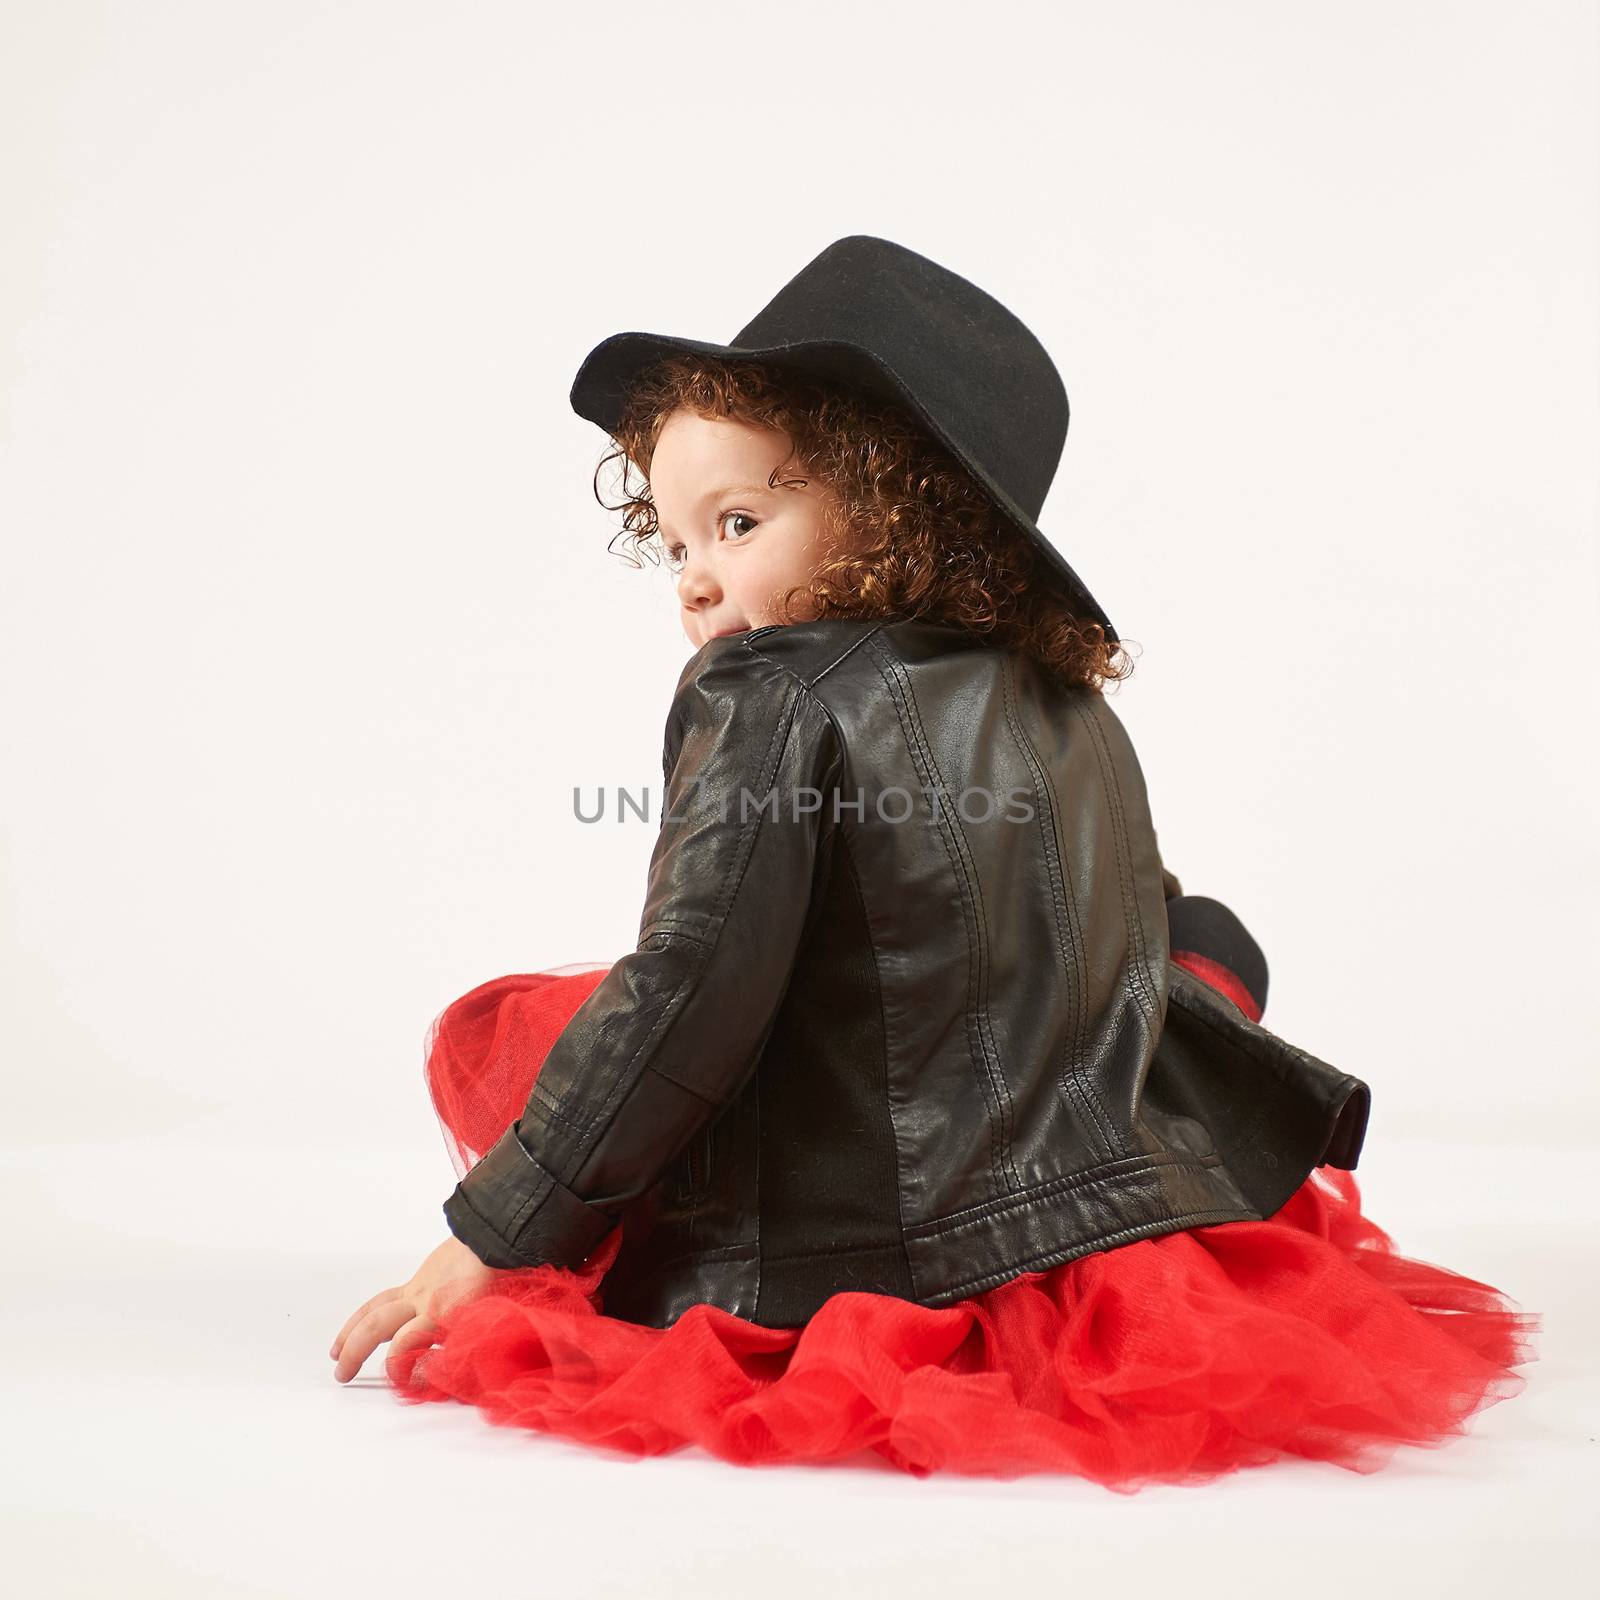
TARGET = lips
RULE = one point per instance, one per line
(722, 633)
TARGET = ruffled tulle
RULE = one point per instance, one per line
(483, 1052)
(1169, 1359)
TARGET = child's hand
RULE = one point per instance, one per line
(405, 1315)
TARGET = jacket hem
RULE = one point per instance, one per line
(1104, 1172)
(1046, 1226)
(1106, 1241)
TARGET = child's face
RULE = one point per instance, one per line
(735, 544)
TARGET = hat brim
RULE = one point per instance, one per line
(600, 389)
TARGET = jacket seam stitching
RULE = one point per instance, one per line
(982, 1069)
(552, 1109)
(1177, 1224)
(1071, 942)
(1138, 951)
(806, 687)
(982, 1021)
(688, 1088)
(810, 683)
(1088, 1178)
(844, 655)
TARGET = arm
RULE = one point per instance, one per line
(1209, 940)
(671, 1033)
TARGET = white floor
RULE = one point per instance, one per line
(173, 1429)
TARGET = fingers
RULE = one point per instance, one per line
(419, 1331)
(356, 1315)
(381, 1323)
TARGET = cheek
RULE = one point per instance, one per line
(802, 552)
(770, 567)
(776, 565)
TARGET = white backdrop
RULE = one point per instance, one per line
(309, 621)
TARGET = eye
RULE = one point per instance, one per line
(675, 555)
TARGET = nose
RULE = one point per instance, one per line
(697, 585)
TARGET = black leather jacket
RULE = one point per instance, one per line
(873, 1039)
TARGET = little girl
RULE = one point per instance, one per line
(929, 1116)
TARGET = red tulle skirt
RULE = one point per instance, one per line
(1169, 1359)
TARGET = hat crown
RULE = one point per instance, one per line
(958, 357)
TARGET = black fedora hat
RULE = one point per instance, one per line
(883, 319)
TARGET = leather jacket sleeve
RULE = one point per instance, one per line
(1209, 940)
(671, 1033)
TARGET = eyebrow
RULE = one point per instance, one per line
(735, 488)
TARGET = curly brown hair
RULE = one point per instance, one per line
(911, 533)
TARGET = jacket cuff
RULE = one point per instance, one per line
(511, 1211)
(1209, 940)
